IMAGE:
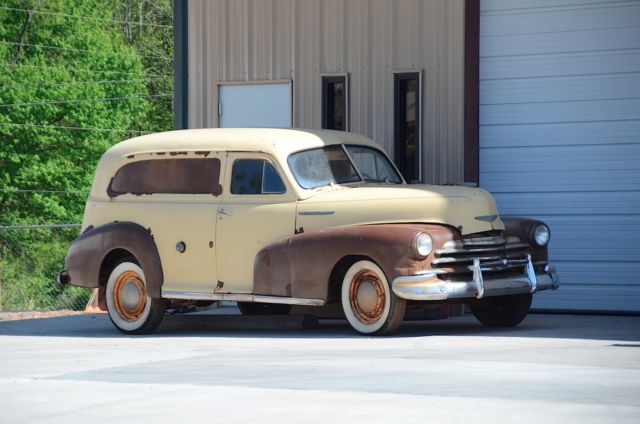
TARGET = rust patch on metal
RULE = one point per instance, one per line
(172, 176)
(306, 260)
(178, 153)
(161, 153)
(131, 156)
(88, 252)
(129, 312)
(521, 228)
(363, 310)
(204, 153)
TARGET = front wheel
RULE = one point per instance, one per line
(368, 302)
(130, 308)
(502, 311)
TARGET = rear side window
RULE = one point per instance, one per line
(255, 176)
(169, 176)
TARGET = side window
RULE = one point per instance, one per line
(255, 176)
(334, 102)
(167, 176)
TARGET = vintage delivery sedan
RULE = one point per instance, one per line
(272, 218)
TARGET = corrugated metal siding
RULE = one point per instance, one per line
(560, 137)
(255, 40)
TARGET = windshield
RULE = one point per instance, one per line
(331, 165)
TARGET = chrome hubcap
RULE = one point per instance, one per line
(130, 296)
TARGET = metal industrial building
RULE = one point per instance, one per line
(538, 101)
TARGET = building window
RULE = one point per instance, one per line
(255, 176)
(407, 124)
(334, 102)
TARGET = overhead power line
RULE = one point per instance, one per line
(74, 49)
(106, 71)
(74, 83)
(87, 18)
(106, 99)
(71, 128)
(16, 190)
(38, 226)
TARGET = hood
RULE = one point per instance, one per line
(470, 210)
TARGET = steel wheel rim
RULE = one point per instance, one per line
(367, 311)
(123, 286)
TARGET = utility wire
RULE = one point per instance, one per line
(91, 18)
(100, 82)
(62, 127)
(10, 190)
(106, 99)
(38, 226)
(106, 71)
(74, 49)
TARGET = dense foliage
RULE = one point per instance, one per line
(76, 76)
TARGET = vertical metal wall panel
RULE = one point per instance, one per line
(299, 40)
(560, 137)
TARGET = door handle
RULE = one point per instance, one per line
(223, 212)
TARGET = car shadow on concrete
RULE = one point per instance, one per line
(615, 328)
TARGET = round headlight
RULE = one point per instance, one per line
(422, 245)
(541, 235)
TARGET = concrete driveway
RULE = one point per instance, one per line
(552, 368)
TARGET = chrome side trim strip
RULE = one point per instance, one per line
(172, 294)
(319, 212)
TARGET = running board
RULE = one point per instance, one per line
(241, 298)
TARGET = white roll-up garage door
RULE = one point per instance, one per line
(560, 137)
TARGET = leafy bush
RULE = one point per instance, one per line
(69, 89)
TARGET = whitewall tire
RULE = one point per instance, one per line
(368, 302)
(130, 308)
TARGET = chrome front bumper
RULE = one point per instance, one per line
(427, 286)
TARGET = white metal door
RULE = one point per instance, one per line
(255, 105)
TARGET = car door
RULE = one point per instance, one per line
(179, 208)
(258, 208)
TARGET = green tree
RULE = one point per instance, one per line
(73, 82)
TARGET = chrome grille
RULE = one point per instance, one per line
(454, 260)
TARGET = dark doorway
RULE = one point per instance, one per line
(407, 124)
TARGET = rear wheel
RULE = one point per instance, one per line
(251, 308)
(502, 311)
(368, 302)
(130, 308)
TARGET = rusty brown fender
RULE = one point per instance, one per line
(301, 266)
(521, 227)
(87, 253)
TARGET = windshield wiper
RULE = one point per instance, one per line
(381, 180)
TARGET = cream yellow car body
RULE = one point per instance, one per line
(175, 217)
(149, 247)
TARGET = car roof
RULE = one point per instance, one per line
(275, 141)
(279, 143)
